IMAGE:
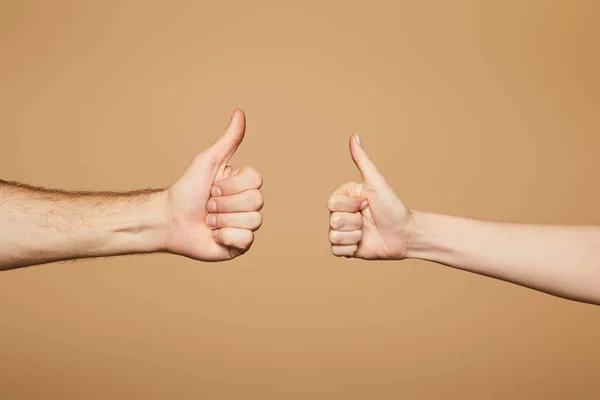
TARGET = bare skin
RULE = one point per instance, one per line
(369, 221)
(209, 214)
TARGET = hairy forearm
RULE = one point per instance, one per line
(39, 225)
(560, 260)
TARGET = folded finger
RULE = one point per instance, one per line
(248, 178)
(243, 220)
(343, 203)
(240, 239)
(344, 251)
(344, 221)
(249, 200)
(344, 238)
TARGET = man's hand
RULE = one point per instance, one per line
(209, 214)
(213, 209)
(367, 219)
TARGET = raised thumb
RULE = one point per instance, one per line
(231, 138)
(369, 172)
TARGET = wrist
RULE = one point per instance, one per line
(426, 239)
(138, 224)
(153, 222)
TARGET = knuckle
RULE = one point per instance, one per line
(257, 199)
(336, 221)
(254, 177)
(335, 250)
(247, 240)
(332, 204)
(333, 236)
(257, 220)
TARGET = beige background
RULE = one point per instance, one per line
(485, 109)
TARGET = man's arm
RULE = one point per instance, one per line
(369, 221)
(39, 226)
(560, 260)
(209, 214)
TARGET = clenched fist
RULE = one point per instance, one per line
(214, 209)
(367, 219)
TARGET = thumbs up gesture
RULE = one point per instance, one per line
(213, 209)
(367, 219)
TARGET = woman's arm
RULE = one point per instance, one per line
(560, 260)
(369, 221)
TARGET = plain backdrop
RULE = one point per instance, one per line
(484, 109)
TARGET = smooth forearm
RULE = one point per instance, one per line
(561, 260)
(39, 226)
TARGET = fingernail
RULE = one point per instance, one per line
(364, 205)
(211, 221)
(214, 234)
(216, 191)
(357, 139)
(211, 206)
